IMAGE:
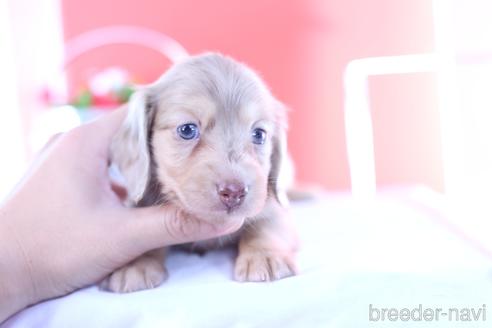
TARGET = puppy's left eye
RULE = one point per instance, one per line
(188, 131)
(258, 136)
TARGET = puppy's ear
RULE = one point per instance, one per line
(281, 171)
(130, 149)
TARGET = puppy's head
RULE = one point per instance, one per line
(209, 134)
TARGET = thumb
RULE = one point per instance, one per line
(158, 226)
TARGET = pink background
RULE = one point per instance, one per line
(301, 49)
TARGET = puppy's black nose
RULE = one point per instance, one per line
(232, 193)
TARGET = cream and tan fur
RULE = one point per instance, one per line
(226, 100)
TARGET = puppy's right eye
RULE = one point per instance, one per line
(258, 136)
(188, 131)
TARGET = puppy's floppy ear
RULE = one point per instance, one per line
(130, 149)
(281, 171)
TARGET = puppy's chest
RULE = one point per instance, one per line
(203, 246)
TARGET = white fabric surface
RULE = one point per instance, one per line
(387, 253)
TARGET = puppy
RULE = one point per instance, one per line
(209, 138)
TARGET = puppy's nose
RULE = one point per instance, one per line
(232, 193)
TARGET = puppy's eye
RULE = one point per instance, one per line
(188, 131)
(258, 136)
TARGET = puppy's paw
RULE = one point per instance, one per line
(143, 273)
(263, 266)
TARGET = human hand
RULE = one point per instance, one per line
(64, 227)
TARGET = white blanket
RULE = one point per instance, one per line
(382, 254)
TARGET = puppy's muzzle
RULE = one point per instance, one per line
(232, 194)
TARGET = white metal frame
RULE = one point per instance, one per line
(358, 122)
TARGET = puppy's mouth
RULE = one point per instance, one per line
(228, 210)
(220, 212)
(219, 208)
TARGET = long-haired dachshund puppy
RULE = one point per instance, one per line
(209, 138)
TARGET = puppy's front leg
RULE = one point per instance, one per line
(146, 271)
(267, 246)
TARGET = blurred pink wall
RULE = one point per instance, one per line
(301, 49)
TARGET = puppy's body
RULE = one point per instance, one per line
(209, 139)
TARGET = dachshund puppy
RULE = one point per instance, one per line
(210, 139)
